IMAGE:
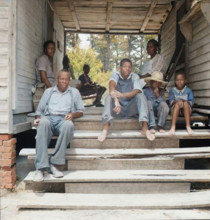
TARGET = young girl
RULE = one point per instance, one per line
(181, 102)
(156, 102)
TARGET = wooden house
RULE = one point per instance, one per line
(26, 24)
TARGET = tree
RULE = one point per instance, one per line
(72, 40)
(79, 57)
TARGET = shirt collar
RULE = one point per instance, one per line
(119, 73)
(55, 89)
(180, 91)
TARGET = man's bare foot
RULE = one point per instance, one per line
(152, 131)
(102, 136)
(149, 136)
(189, 130)
(161, 130)
(172, 131)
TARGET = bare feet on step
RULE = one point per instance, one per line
(148, 135)
(189, 130)
(161, 130)
(172, 131)
(152, 131)
(102, 136)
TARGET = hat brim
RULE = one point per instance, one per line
(148, 79)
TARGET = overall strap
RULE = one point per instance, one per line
(72, 100)
(48, 100)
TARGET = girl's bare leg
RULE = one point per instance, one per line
(187, 113)
(175, 114)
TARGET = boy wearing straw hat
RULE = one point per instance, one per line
(156, 102)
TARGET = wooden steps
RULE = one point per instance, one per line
(124, 172)
(127, 181)
(129, 176)
(134, 214)
(116, 201)
(94, 122)
(124, 153)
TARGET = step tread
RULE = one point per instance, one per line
(134, 134)
(114, 201)
(128, 176)
(89, 117)
(137, 214)
(121, 152)
(89, 134)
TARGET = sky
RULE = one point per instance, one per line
(84, 43)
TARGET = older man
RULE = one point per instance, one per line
(125, 100)
(58, 106)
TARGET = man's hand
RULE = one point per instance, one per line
(69, 117)
(117, 107)
(116, 94)
(36, 122)
(157, 92)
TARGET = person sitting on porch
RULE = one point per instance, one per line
(181, 101)
(156, 62)
(44, 65)
(44, 75)
(88, 87)
(58, 106)
(156, 102)
(125, 100)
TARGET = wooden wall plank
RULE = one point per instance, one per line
(29, 48)
(168, 39)
(58, 57)
(198, 69)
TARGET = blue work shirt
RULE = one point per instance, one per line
(54, 102)
(150, 95)
(185, 94)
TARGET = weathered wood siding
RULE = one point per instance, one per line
(198, 68)
(168, 40)
(7, 33)
(168, 37)
(59, 41)
(29, 47)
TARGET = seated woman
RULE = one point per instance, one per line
(89, 88)
(156, 62)
(44, 65)
(44, 74)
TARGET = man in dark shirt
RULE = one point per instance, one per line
(89, 88)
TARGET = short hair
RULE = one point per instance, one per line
(153, 42)
(46, 43)
(65, 71)
(180, 73)
(85, 66)
(125, 60)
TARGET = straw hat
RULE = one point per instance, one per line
(156, 76)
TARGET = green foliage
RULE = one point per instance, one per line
(79, 57)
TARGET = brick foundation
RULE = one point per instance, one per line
(7, 161)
